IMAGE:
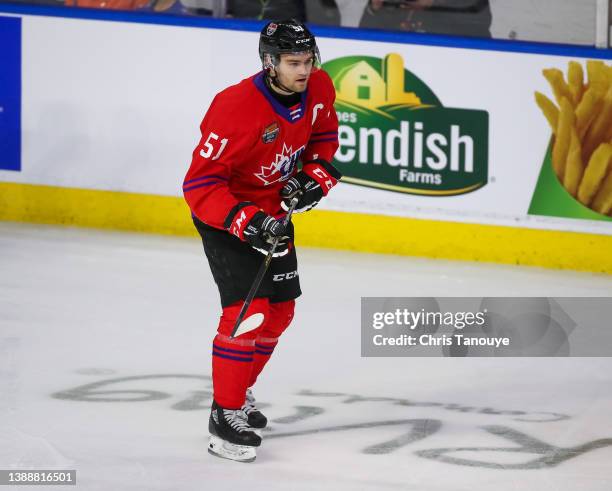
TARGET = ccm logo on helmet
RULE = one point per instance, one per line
(285, 276)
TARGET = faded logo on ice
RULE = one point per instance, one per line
(313, 414)
(282, 168)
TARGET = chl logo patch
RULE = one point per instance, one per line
(270, 133)
(271, 29)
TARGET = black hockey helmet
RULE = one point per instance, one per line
(283, 37)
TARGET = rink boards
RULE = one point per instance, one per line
(449, 162)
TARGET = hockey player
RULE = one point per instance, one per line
(243, 174)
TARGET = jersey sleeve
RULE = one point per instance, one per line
(323, 141)
(206, 187)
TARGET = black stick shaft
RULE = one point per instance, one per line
(262, 271)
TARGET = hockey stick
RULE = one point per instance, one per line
(262, 269)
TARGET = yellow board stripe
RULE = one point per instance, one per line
(97, 209)
(338, 230)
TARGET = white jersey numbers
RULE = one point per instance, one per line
(209, 146)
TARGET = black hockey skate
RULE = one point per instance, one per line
(230, 435)
(255, 418)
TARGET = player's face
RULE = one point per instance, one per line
(294, 70)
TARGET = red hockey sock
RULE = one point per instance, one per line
(264, 347)
(279, 318)
(232, 359)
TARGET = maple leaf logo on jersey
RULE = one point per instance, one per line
(282, 168)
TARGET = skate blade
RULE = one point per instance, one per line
(231, 451)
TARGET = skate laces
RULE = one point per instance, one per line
(249, 403)
(236, 419)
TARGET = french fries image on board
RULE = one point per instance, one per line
(581, 123)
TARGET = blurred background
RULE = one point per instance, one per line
(578, 22)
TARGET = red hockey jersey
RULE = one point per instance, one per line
(251, 144)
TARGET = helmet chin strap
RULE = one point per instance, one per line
(274, 81)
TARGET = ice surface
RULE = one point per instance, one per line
(105, 368)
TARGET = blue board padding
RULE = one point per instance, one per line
(10, 93)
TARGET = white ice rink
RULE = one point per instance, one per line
(105, 368)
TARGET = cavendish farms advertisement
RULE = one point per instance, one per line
(395, 134)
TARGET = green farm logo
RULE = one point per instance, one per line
(396, 135)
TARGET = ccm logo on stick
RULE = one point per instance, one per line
(285, 276)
